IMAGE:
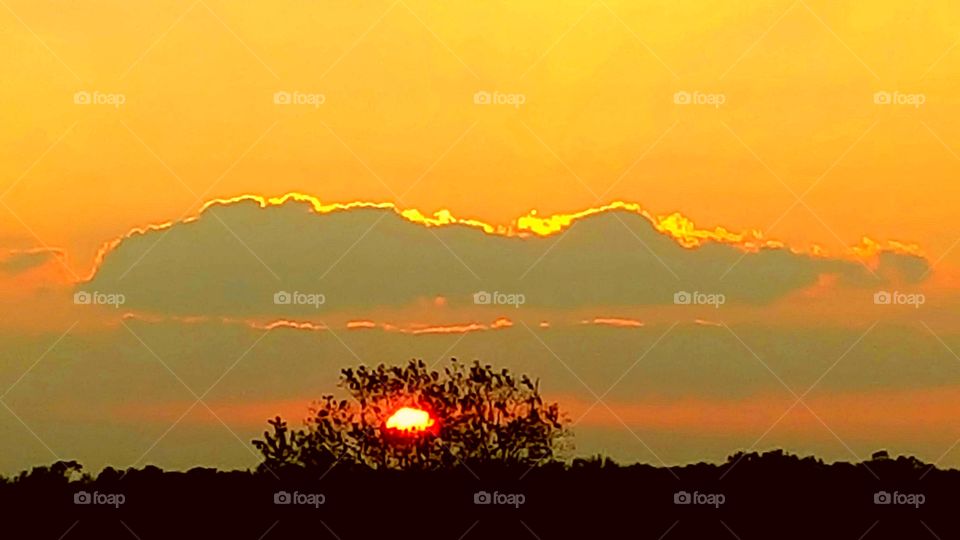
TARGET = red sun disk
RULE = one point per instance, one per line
(410, 420)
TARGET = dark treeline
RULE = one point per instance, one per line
(762, 496)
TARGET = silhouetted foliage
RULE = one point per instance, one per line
(60, 473)
(772, 495)
(482, 416)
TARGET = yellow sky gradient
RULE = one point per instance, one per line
(399, 123)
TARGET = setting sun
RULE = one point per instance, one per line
(408, 419)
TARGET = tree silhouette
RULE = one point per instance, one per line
(481, 416)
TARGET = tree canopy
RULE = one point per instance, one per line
(481, 415)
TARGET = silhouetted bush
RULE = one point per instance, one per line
(482, 416)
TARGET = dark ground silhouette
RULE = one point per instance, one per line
(752, 496)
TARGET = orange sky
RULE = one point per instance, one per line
(398, 121)
(815, 121)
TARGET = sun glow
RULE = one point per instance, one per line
(410, 420)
